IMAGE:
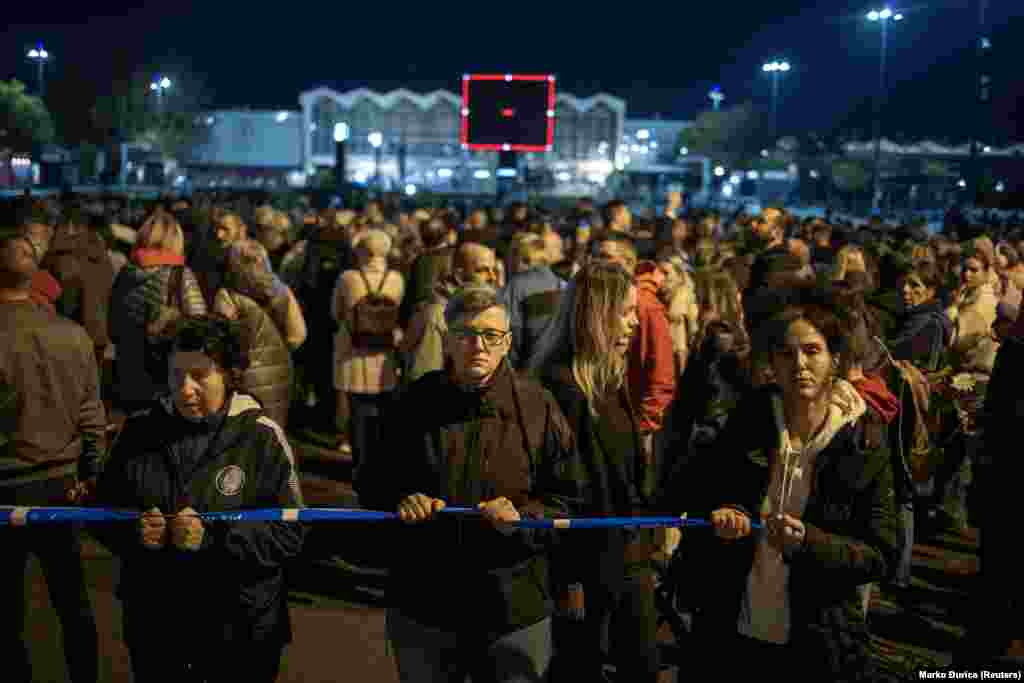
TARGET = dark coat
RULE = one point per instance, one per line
(618, 481)
(456, 573)
(80, 263)
(233, 588)
(922, 335)
(852, 538)
(136, 301)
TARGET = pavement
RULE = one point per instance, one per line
(338, 599)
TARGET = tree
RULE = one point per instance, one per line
(732, 136)
(24, 120)
(936, 168)
(849, 176)
(170, 122)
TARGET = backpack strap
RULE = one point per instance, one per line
(366, 281)
(174, 284)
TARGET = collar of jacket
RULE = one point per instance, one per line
(480, 395)
(147, 258)
(237, 404)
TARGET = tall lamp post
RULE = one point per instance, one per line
(341, 134)
(159, 86)
(880, 16)
(775, 69)
(40, 56)
(716, 97)
(376, 139)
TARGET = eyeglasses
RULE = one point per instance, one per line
(492, 338)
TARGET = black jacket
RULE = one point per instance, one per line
(922, 335)
(617, 481)
(852, 538)
(233, 588)
(456, 573)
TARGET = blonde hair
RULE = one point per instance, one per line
(247, 270)
(842, 261)
(716, 293)
(161, 231)
(706, 253)
(601, 291)
(235, 223)
(527, 250)
(375, 243)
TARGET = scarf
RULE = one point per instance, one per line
(146, 258)
(876, 394)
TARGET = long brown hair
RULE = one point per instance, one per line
(718, 301)
(602, 289)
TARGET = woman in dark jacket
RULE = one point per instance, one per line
(206, 448)
(924, 330)
(582, 360)
(150, 293)
(797, 458)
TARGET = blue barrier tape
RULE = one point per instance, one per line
(21, 516)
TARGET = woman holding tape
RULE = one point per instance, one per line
(582, 358)
(800, 457)
(205, 448)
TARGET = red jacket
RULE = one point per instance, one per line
(45, 290)
(652, 366)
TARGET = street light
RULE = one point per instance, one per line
(376, 139)
(775, 68)
(880, 16)
(40, 56)
(158, 86)
(716, 97)
(341, 133)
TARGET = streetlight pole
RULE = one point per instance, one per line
(39, 55)
(776, 69)
(716, 97)
(881, 16)
(341, 134)
(982, 100)
(159, 86)
(376, 139)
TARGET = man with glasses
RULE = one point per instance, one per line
(471, 593)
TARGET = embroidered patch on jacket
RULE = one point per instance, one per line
(230, 480)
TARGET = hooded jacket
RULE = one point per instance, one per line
(651, 370)
(137, 301)
(232, 589)
(852, 534)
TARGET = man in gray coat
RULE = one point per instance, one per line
(52, 426)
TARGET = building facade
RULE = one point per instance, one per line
(243, 148)
(420, 144)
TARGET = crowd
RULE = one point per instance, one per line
(824, 393)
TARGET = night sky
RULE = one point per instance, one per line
(661, 58)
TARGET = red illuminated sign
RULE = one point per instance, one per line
(511, 112)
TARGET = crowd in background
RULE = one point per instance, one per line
(848, 386)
